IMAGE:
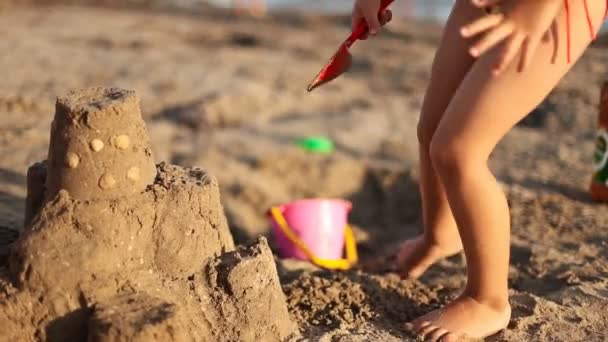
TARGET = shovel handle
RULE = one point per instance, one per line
(362, 27)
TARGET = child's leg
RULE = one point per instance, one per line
(451, 64)
(482, 111)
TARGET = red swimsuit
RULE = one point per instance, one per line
(589, 22)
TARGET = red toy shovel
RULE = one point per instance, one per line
(342, 60)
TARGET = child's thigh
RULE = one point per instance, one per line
(450, 65)
(486, 107)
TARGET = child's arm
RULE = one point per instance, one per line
(521, 25)
(368, 10)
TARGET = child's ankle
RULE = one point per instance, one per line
(496, 301)
(443, 242)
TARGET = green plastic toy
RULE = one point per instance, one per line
(316, 144)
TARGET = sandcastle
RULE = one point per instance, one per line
(116, 248)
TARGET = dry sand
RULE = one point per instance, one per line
(229, 95)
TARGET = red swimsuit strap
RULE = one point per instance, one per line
(589, 20)
(589, 23)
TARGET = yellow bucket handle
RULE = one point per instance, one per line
(339, 264)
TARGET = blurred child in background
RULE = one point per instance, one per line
(256, 8)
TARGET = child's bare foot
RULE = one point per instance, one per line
(418, 254)
(463, 318)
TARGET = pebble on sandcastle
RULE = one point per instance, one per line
(117, 248)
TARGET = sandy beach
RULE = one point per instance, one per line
(228, 94)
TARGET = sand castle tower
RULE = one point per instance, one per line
(99, 146)
(117, 248)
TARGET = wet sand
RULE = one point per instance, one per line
(229, 95)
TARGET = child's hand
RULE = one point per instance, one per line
(521, 26)
(368, 10)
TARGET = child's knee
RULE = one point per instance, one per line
(452, 157)
(425, 134)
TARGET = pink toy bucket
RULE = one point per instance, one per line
(316, 230)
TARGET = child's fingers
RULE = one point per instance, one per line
(551, 34)
(529, 49)
(356, 18)
(491, 39)
(386, 17)
(369, 10)
(512, 47)
(482, 24)
(555, 39)
(547, 36)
